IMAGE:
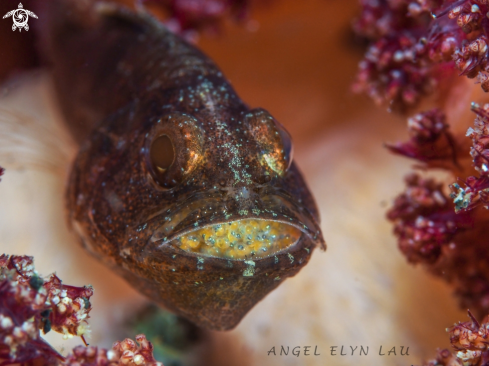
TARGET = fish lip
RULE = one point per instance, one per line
(208, 209)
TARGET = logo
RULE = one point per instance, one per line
(20, 17)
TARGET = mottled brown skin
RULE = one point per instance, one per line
(119, 75)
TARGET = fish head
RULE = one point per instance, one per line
(236, 193)
(207, 214)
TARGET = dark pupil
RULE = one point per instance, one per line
(162, 153)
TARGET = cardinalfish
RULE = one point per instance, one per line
(178, 186)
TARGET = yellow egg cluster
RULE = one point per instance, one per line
(243, 239)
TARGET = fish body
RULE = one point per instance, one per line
(178, 185)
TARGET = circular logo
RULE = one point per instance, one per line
(20, 17)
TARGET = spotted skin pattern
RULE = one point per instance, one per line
(122, 80)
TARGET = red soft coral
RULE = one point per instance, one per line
(469, 339)
(476, 189)
(424, 220)
(29, 304)
(431, 141)
(415, 43)
(187, 16)
(446, 237)
(122, 353)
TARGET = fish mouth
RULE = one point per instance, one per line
(238, 228)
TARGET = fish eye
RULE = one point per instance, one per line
(273, 139)
(162, 153)
(175, 149)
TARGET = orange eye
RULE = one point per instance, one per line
(175, 149)
(273, 139)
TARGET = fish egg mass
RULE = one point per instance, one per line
(240, 240)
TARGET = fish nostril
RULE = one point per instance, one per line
(263, 179)
(231, 205)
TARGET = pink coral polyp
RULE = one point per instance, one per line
(29, 304)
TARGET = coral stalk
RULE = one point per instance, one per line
(446, 237)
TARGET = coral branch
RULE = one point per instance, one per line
(424, 220)
(469, 339)
(431, 142)
(28, 304)
(122, 353)
(476, 190)
(447, 237)
(392, 72)
(415, 43)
